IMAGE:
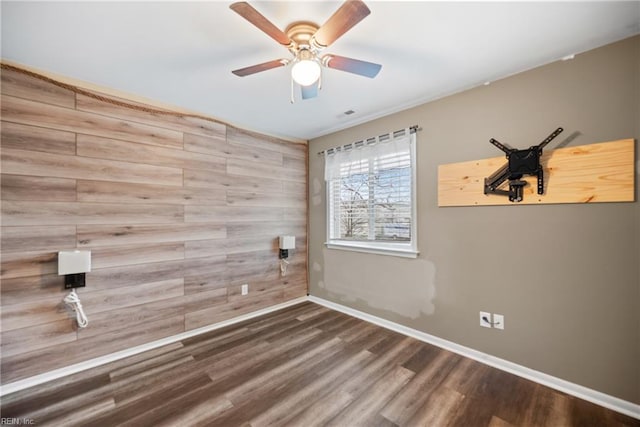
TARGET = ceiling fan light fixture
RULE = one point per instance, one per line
(306, 69)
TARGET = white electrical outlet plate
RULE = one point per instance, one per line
(498, 321)
(245, 289)
(486, 315)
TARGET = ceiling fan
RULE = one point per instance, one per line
(305, 41)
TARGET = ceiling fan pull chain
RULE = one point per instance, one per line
(292, 99)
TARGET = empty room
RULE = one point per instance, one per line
(320, 213)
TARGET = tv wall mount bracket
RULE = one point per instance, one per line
(519, 163)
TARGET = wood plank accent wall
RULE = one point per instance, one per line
(178, 212)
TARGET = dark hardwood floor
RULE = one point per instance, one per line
(305, 365)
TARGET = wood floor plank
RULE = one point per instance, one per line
(232, 372)
(409, 400)
(304, 365)
(274, 376)
(499, 422)
(198, 414)
(437, 409)
(364, 410)
(321, 411)
(170, 388)
(547, 407)
(474, 411)
(51, 395)
(133, 391)
(65, 394)
(510, 392)
(282, 387)
(150, 368)
(186, 401)
(80, 416)
(316, 311)
(285, 410)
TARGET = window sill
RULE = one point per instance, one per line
(371, 249)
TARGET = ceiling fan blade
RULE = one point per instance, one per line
(247, 11)
(349, 14)
(350, 65)
(260, 67)
(310, 91)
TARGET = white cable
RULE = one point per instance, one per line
(73, 300)
(283, 266)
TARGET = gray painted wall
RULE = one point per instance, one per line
(568, 283)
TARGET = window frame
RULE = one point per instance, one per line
(399, 249)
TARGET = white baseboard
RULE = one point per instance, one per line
(599, 398)
(98, 361)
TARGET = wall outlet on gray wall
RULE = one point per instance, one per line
(485, 319)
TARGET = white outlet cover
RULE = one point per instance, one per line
(245, 289)
(488, 317)
(498, 321)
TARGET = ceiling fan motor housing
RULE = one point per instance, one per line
(301, 32)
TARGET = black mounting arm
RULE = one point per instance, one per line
(519, 163)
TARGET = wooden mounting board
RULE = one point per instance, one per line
(592, 173)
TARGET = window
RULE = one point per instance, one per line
(371, 195)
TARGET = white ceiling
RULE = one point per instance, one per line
(182, 53)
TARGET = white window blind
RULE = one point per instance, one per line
(371, 194)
